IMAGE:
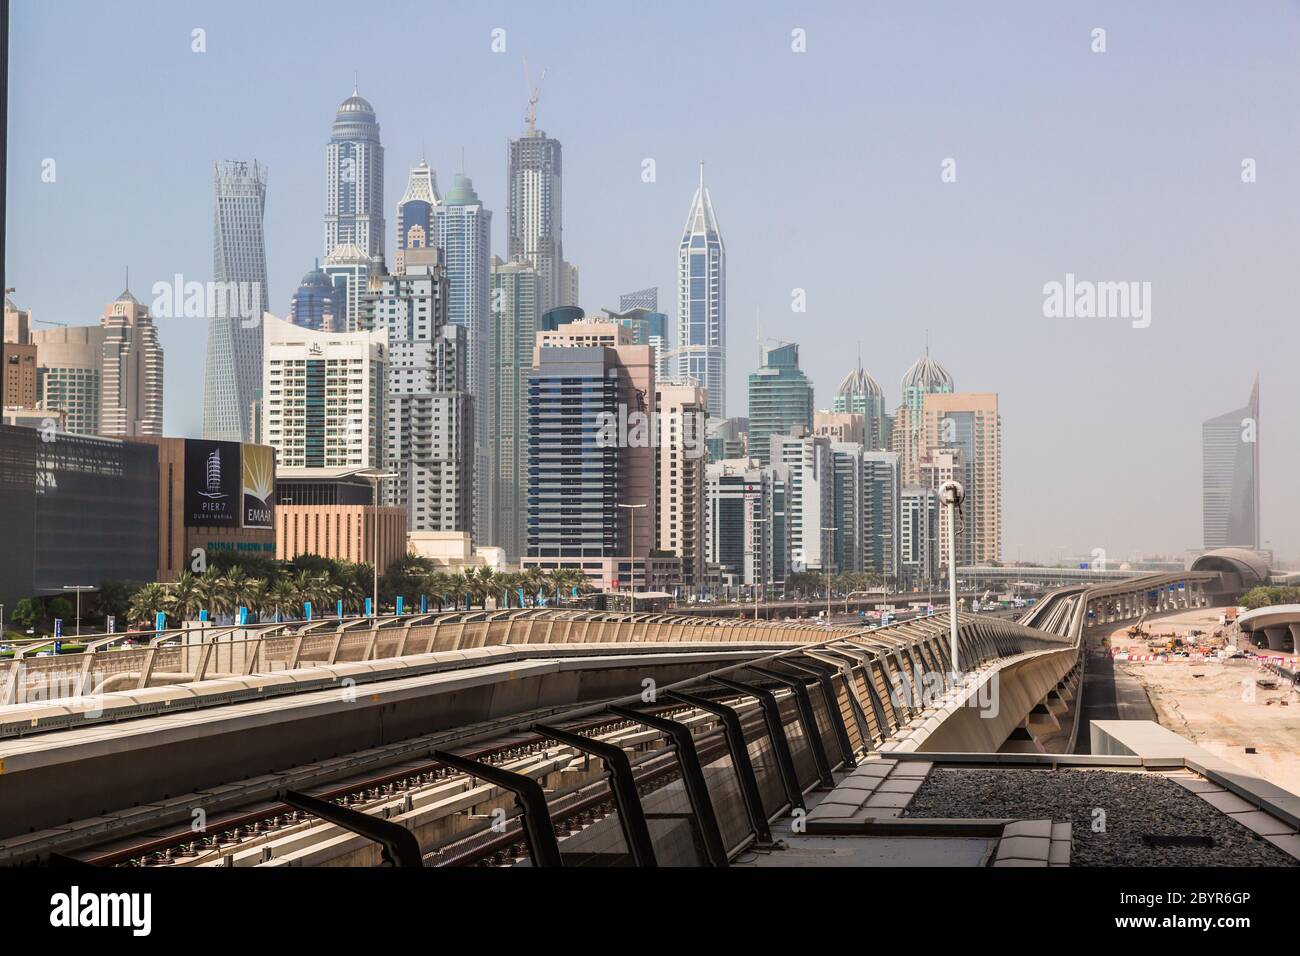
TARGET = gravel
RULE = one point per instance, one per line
(1134, 804)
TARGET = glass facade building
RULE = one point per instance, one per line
(702, 303)
(1230, 477)
(780, 397)
(77, 510)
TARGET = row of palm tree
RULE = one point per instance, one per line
(283, 596)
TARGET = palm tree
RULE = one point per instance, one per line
(255, 599)
(147, 602)
(439, 585)
(184, 596)
(486, 582)
(237, 584)
(282, 595)
(210, 591)
(534, 580)
(350, 592)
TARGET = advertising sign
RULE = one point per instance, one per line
(211, 484)
(258, 485)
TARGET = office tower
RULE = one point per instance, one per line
(591, 495)
(1230, 477)
(584, 334)
(463, 230)
(516, 295)
(18, 376)
(233, 372)
(323, 404)
(350, 271)
(535, 213)
(918, 536)
(880, 513)
(702, 302)
(848, 508)
(682, 459)
(780, 397)
(727, 438)
(69, 361)
(740, 535)
(416, 228)
(131, 371)
(354, 180)
(926, 376)
(859, 393)
(428, 414)
(810, 499)
(316, 304)
(840, 426)
(970, 422)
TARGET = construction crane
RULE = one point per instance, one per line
(534, 94)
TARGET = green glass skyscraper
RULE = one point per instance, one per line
(780, 397)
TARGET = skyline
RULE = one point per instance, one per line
(934, 258)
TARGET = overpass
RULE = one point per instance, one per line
(525, 737)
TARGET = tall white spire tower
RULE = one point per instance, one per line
(702, 302)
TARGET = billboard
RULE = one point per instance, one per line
(211, 484)
(258, 486)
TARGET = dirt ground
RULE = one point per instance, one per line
(1218, 704)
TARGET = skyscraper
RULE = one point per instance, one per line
(926, 376)
(682, 460)
(860, 394)
(880, 502)
(516, 293)
(131, 378)
(415, 226)
(780, 396)
(702, 302)
(968, 422)
(810, 498)
(428, 415)
(233, 374)
(463, 230)
(315, 303)
(1230, 477)
(535, 213)
(354, 179)
(350, 270)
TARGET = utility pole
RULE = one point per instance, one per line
(376, 477)
(78, 588)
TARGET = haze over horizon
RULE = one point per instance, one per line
(825, 173)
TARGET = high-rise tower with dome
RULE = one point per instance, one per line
(354, 179)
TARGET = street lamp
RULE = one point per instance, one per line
(376, 477)
(952, 493)
(826, 560)
(631, 601)
(78, 588)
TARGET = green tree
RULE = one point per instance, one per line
(147, 602)
(210, 590)
(114, 597)
(29, 612)
(282, 596)
(184, 592)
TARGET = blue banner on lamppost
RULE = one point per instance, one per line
(160, 622)
(306, 610)
(340, 609)
(58, 633)
(400, 603)
(370, 608)
(424, 604)
(521, 597)
(203, 616)
(243, 616)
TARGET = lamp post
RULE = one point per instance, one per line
(826, 560)
(952, 494)
(78, 588)
(631, 547)
(376, 477)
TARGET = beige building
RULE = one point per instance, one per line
(341, 532)
(840, 426)
(68, 361)
(969, 421)
(587, 334)
(682, 461)
(131, 371)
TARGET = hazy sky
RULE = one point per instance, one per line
(825, 172)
